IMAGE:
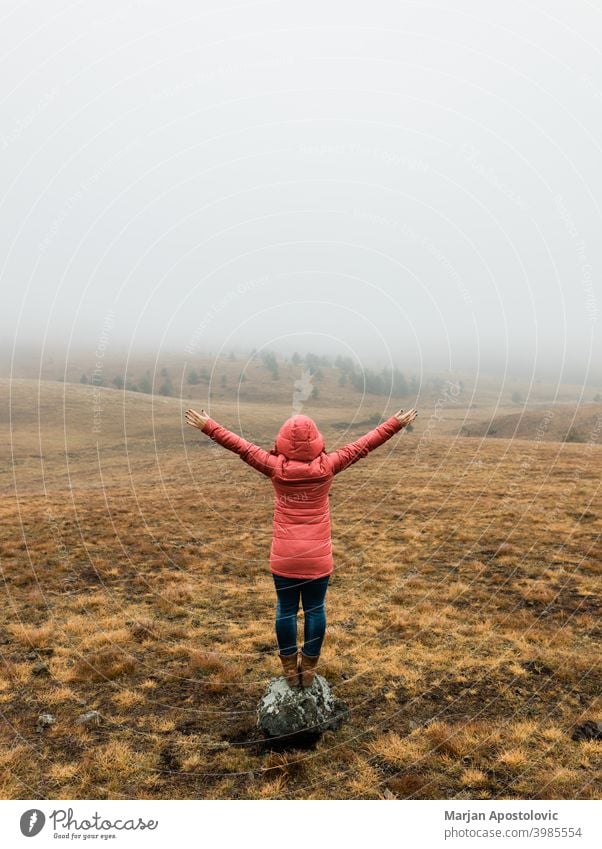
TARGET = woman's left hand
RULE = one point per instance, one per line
(198, 420)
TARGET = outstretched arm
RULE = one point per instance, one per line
(354, 451)
(252, 454)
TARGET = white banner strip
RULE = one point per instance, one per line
(298, 824)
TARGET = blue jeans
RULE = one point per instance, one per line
(312, 594)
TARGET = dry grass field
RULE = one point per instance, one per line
(464, 612)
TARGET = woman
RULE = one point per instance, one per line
(301, 554)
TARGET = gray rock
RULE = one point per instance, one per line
(44, 721)
(299, 715)
(92, 717)
(40, 669)
(588, 730)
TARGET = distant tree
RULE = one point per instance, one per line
(358, 381)
(193, 378)
(242, 377)
(368, 381)
(343, 379)
(345, 364)
(314, 361)
(166, 387)
(83, 378)
(271, 363)
(204, 374)
(597, 398)
(146, 384)
(118, 381)
(385, 382)
(399, 385)
(517, 398)
(232, 357)
(133, 387)
(296, 359)
(573, 436)
(224, 381)
(315, 393)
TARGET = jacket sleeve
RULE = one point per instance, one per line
(252, 454)
(354, 451)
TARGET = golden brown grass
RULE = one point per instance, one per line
(464, 615)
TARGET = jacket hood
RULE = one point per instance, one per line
(299, 439)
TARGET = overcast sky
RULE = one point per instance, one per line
(399, 180)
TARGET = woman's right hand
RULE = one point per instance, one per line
(406, 418)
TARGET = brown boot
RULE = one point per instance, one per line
(308, 669)
(291, 669)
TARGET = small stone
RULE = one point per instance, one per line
(40, 669)
(588, 730)
(299, 715)
(32, 655)
(44, 721)
(92, 717)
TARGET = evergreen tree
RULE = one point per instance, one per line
(146, 384)
(271, 363)
(166, 387)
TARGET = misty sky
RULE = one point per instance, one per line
(396, 180)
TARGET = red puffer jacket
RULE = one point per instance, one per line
(301, 472)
